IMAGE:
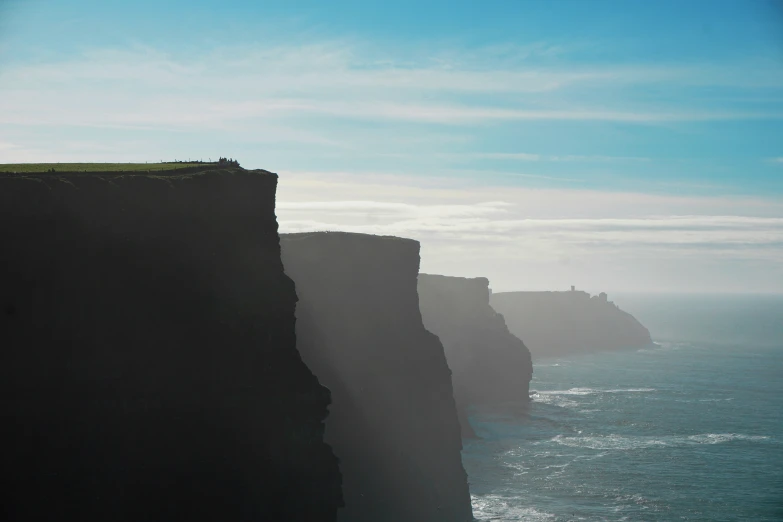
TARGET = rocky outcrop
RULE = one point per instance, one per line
(564, 323)
(148, 366)
(491, 367)
(392, 422)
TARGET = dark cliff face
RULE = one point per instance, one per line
(148, 367)
(491, 367)
(562, 323)
(392, 421)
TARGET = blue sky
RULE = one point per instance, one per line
(464, 113)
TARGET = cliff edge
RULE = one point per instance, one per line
(393, 423)
(563, 323)
(148, 362)
(491, 367)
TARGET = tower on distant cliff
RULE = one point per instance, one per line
(573, 288)
(602, 296)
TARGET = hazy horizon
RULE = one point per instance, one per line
(614, 146)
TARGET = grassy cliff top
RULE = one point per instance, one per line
(32, 168)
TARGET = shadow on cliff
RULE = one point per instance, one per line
(393, 422)
(148, 368)
(491, 367)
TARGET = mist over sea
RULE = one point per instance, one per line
(690, 430)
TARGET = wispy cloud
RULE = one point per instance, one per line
(329, 66)
(395, 210)
(524, 156)
(145, 87)
(445, 187)
(534, 224)
(59, 108)
(487, 222)
(459, 114)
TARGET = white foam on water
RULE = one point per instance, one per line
(635, 498)
(572, 391)
(622, 443)
(496, 508)
(717, 438)
(548, 454)
(592, 457)
(607, 442)
(518, 468)
(555, 400)
(628, 390)
(563, 398)
(557, 470)
(592, 391)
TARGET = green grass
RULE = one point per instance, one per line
(96, 167)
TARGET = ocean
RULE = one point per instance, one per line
(689, 430)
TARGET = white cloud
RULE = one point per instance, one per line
(108, 108)
(471, 229)
(424, 189)
(479, 223)
(395, 209)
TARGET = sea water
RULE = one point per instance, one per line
(691, 429)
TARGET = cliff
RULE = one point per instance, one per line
(148, 362)
(392, 423)
(491, 367)
(563, 323)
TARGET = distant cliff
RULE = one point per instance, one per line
(148, 366)
(562, 323)
(393, 422)
(491, 367)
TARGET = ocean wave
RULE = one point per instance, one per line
(554, 400)
(666, 346)
(591, 391)
(592, 457)
(691, 401)
(559, 466)
(519, 469)
(563, 398)
(620, 442)
(608, 442)
(495, 508)
(717, 438)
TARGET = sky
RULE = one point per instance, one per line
(618, 146)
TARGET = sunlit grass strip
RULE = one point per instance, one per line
(97, 167)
